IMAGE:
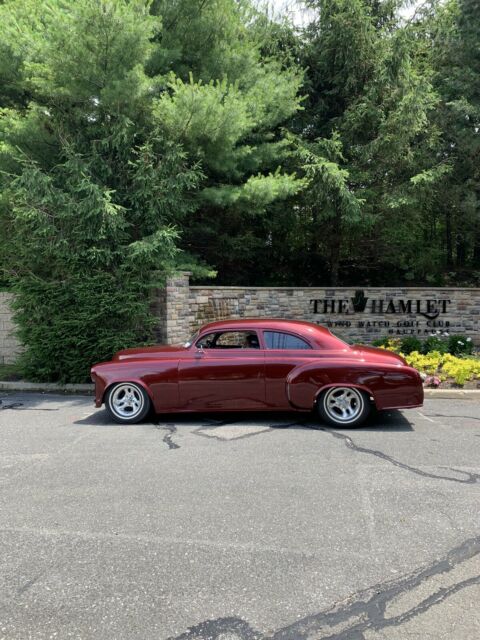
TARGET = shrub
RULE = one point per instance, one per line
(409, 344)
(381, 342)
(434, 343)
(456, 345)
(460, 345)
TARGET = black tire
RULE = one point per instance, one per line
(343, 406)
(137, 402)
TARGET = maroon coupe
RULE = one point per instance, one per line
(257, 365)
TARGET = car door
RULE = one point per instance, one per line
(283, 352)
(223, 374)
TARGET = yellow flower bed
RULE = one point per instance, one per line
(445, 366)
(428, 363)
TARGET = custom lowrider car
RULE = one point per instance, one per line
(257, 365)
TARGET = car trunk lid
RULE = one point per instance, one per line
(374, 354)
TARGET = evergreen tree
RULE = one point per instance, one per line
(364, 131)
(455, 56)
(129, 130)
(226, 97)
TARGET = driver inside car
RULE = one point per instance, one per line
(250, 341)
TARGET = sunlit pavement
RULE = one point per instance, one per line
(238, 526)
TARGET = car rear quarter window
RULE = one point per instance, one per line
(278, 340)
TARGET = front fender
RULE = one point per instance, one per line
(104, 381)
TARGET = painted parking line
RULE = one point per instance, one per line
(422, 415)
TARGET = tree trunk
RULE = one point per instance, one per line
(461, 251)
(335, 249)
(476, 247)
(448, 238)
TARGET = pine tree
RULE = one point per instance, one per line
(135, 138)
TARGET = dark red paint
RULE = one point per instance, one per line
(182, 379)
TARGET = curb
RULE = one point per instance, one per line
(47, 387)
(88, 388)
(452, 394)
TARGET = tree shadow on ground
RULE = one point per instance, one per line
(31, 401)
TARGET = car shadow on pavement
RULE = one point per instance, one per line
(393, 420)
(378, 421)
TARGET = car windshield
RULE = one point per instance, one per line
(189, 342)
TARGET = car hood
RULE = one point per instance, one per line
(147, 353)
(372, 354)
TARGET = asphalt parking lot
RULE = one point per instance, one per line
(230, 527)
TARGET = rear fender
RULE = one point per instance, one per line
(360, 387)
(306, 382)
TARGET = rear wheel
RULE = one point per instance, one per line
(344, 406)
(127, 402)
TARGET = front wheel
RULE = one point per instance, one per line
(127, 402)
(344, 406)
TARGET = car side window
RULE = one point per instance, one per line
(230, 340)
(277, 340)
(207, 341)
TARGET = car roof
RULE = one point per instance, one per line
(310, 330)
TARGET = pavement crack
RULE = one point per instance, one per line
(10, 405)
(444, 415)
(167, 438)
(220, 628)
(363, 611)
(366, 609)
(470, 477)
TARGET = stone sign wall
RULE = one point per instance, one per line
(9, 345)
(352, 313)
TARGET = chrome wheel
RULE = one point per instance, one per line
(127, 401)
(343, 405)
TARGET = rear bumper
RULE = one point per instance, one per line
(407, 397)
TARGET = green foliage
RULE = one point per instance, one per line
(445, 366)
(434, 343)
(455, 345)
(10, 372)
(82, 282)
(459, 345)
(91, 190)
(224, 98)
(409, 344)
(71, 324)
(138, 137)
(381, 342)
(400, 98)
(127, 126)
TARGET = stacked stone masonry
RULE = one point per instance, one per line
(352, 313)
(9, 345)
(388, 311)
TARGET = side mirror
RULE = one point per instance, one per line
(199, 352)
